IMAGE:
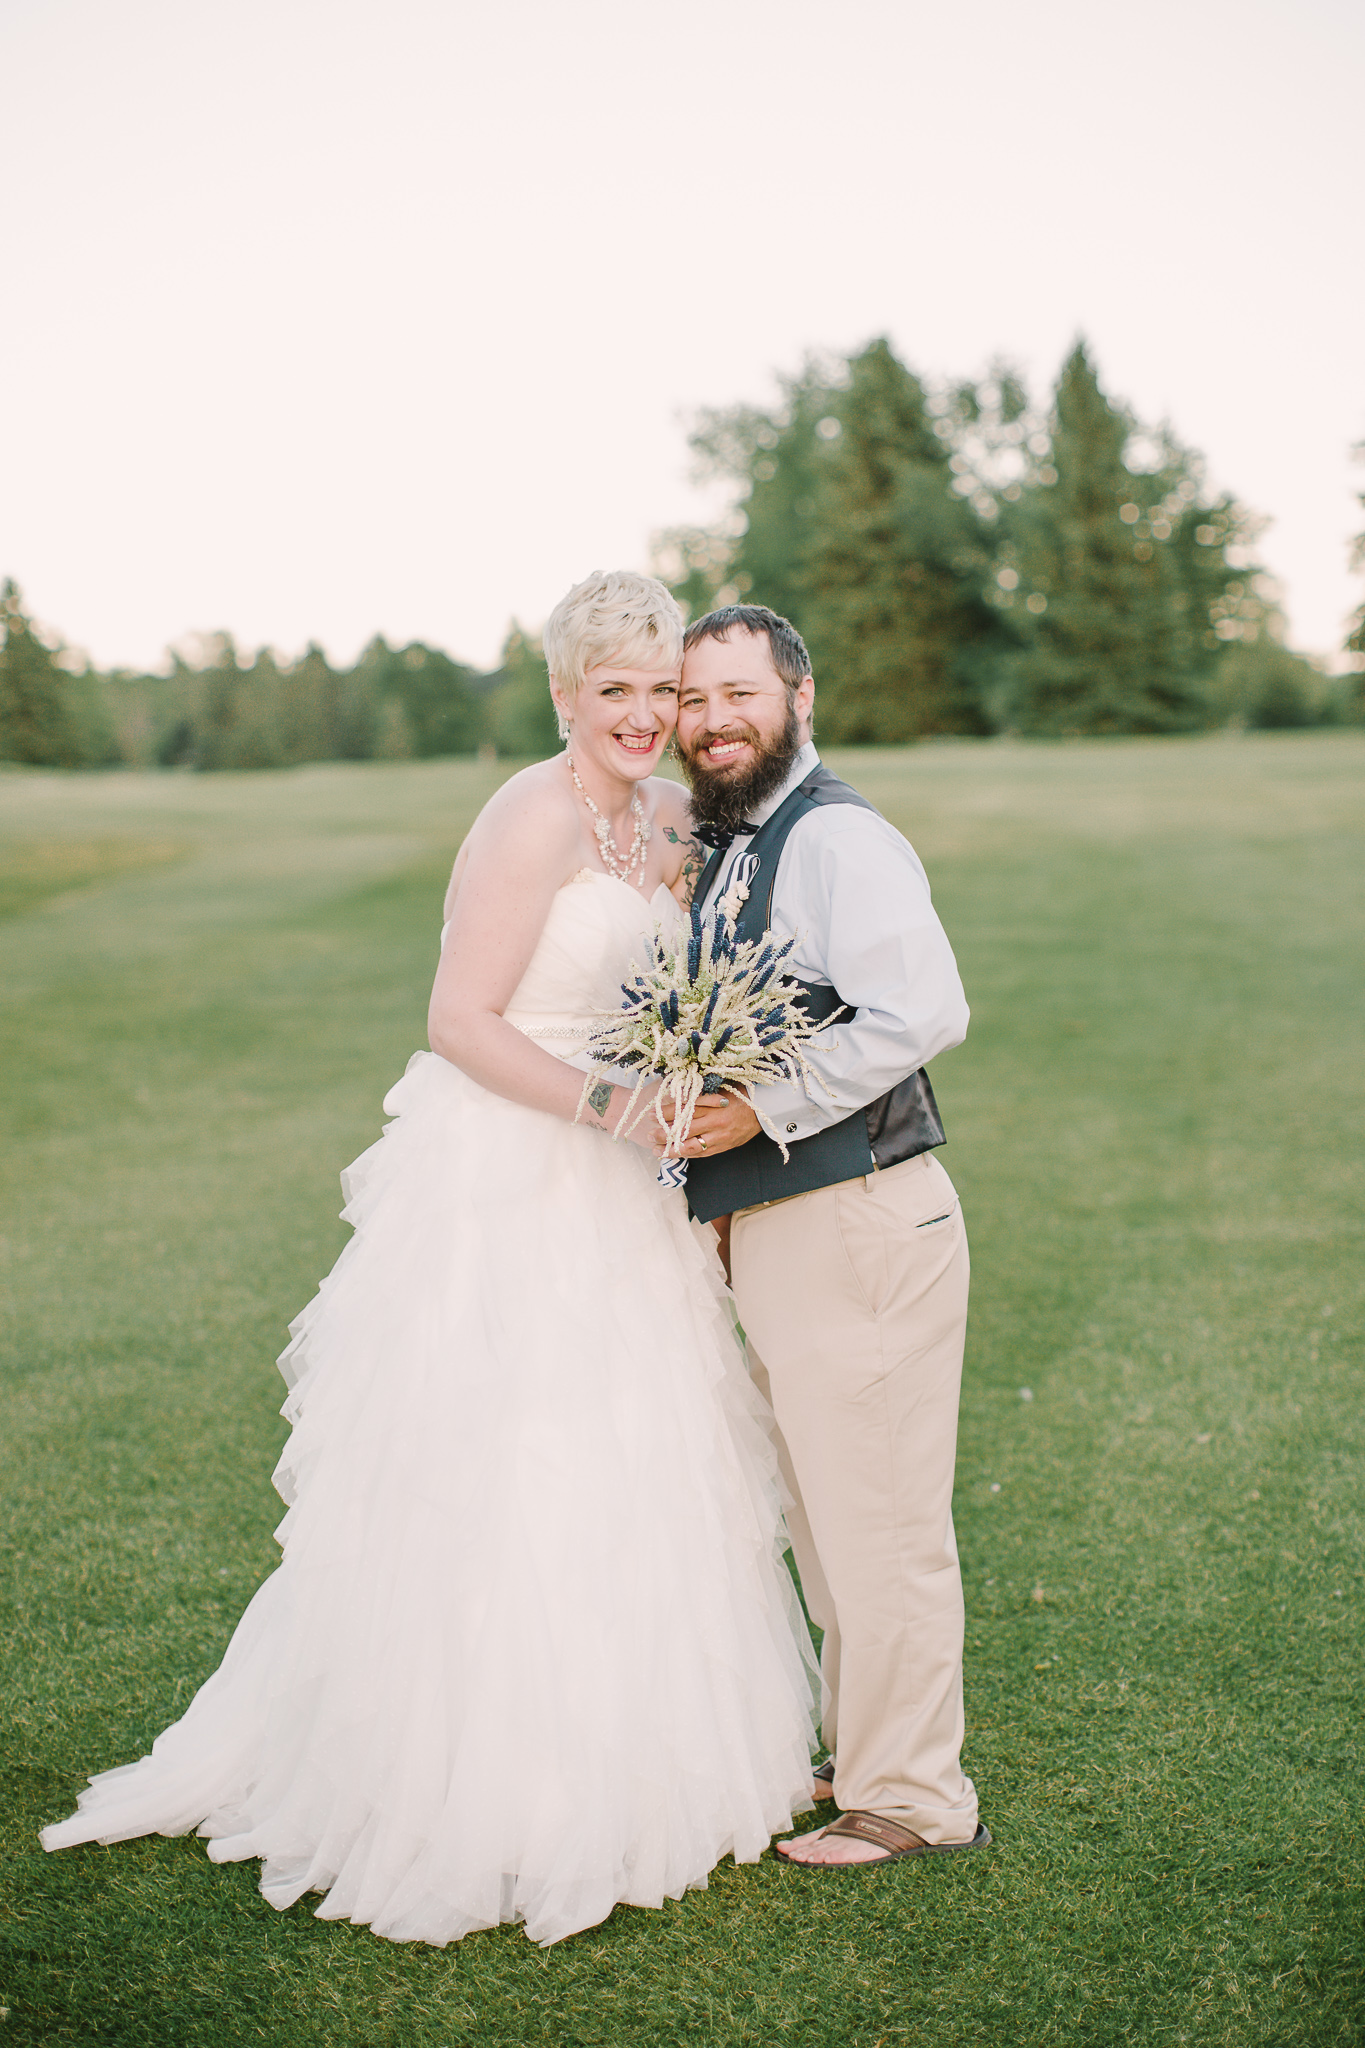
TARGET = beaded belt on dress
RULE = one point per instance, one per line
(530, 1028)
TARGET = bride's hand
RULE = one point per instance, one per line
(608, 1109)
(645, 1128)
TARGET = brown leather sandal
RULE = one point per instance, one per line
(823, 1775)
(897, 1841)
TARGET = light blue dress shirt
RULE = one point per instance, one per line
(852, 892)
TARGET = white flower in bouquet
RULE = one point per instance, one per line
(706, 1013)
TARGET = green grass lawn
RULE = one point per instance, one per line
(1156, 1129)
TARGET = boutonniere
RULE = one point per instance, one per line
(741, 881)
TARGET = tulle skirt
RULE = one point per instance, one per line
(532, 1650)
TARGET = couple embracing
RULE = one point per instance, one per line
(532, 1649)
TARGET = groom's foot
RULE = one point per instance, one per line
(868, 1838)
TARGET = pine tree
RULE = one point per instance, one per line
(902, 640)
(1119, 579)
(849, 522)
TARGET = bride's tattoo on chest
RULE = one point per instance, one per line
(599, 1098)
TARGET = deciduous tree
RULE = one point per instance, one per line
(49, 716)
(442, 712)
(1355, 641)
(522, 717)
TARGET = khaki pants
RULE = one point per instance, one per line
(854, 1301)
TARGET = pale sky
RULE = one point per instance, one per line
(328, 317)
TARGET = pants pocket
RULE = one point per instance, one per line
(938, 1222)
(924, 1198)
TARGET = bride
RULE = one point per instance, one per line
(531, 1650)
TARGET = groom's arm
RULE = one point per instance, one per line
(855, 894)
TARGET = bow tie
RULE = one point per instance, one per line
(720, 837)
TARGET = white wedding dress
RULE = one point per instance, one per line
(532, 1649)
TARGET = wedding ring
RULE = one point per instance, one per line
(702, 1143)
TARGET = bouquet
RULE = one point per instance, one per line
(705, 1013)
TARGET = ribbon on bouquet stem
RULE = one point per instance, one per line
(708, 1014)
(688, 1090)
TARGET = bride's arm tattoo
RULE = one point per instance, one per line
(599, 1098)
(694, 860)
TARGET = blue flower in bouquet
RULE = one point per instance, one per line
(705, 1013)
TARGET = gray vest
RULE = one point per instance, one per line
(896, 1126)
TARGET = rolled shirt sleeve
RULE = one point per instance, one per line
(853, 894)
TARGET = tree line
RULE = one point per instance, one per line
(223, 710)
(958, 561)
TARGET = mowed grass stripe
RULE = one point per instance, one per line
(1155, 1126)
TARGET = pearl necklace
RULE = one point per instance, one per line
(606, 845)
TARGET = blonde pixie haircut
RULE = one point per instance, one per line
(612, 617)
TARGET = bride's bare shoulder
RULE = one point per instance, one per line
(528, 831)
(540, 793)
(672, 805)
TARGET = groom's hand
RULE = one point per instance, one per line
(719, 1123)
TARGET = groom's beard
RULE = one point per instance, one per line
(725, 797)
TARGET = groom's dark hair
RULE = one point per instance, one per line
(786, 648)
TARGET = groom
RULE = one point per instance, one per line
(849, 1259)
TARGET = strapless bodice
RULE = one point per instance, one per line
(596, 927)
